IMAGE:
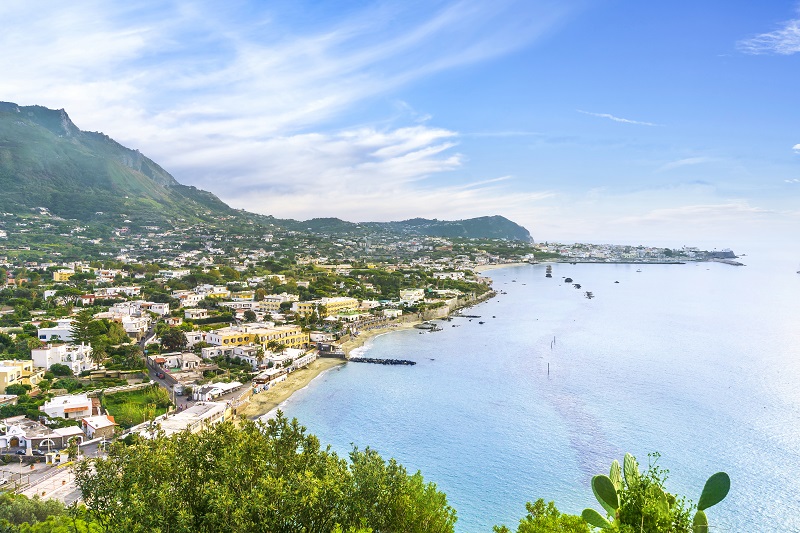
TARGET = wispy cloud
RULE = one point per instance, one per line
(252, 104)
(685, 162)
(796, 148)
(795, 180)
(616, 119)
(784, 41)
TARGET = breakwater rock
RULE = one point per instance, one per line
(382, 361)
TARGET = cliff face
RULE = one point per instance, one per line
(47, 161)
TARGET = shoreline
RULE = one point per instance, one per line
(262, 403)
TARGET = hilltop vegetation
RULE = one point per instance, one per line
(47, 162)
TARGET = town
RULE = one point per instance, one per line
(169, 329)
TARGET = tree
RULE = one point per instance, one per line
(81, 327)
(174, 340)
(249, 316)
(270, 477)
(18, 389)
(60, 370)
(543, 518)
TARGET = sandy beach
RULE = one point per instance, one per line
(486, 268)
(265, 402)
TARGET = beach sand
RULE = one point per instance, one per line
(266, 401)
(487, 268)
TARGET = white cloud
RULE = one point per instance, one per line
(685, 162)
(250, 105)
(784, 41)
(796, 148)
(795, 180)
(616, 119)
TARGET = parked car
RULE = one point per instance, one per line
(3, 480)
(38, 452)
(20, 452)
(160, 375)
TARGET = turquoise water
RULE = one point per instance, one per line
(699, 362)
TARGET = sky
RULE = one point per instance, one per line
(607, 121)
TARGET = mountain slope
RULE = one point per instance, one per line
(46, 161)
(494, 227)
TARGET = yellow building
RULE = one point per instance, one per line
(63, 275)
(292, 336)
(334, 306)
(15, 372)
(327, 306)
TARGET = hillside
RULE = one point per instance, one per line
(493, 227)
(47, 161)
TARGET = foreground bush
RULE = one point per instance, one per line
(256, 478)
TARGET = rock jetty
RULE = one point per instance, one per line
(376, 361)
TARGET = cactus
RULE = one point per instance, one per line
(612, 493)
(605, 493)
(700, 523)
(616, 475)
(714, 491)
(594, 518)
(631, 469)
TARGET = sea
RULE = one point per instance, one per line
(699, 362)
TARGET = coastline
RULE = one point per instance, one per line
(486, 268)
(264, 402)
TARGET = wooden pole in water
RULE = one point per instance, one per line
(548, 369)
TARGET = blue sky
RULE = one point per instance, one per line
(604, 121)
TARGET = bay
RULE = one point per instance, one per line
(698, 362)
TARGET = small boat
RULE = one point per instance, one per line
(481, 322)
(638, 270)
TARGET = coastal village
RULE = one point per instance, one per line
(167, 331)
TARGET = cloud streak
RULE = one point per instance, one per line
(252, 104)
(783, 41)
(689, 161)
(616, 119)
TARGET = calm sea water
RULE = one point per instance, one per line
(699, 362)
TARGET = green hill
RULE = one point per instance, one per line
(46, 161)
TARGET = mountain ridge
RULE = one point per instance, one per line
(46, 161)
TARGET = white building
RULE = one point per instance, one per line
(411, 296)
(77, 357)
(63, 331)
(196, 418)
(75, 406)
(99, 425)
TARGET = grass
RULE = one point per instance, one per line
(134, 407)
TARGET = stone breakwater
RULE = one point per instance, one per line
(382, 361)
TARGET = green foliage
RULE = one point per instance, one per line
(134, 407)
(714, 491)
(82, 330)
(256, 478)
(18, 510)
(173, 340)
(18, 388)
(543, 518)
(641, 505)
(76, 174)
(60, 370)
